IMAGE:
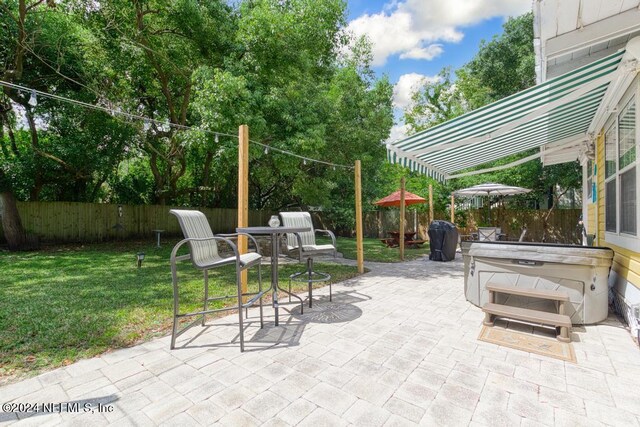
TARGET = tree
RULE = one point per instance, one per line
(64, 151)
(434, 103)
(297, 92)
(361, 116)
(503, 66)
(14, 52)
(198, 69)
(19, 19)
(154, 49)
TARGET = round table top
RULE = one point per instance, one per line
(272, 230)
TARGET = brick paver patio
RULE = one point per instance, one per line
(398, 346)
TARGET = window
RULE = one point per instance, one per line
(610, 142)
(628, 202)
(610, 206)
(621, 213)
(627, 167)
(627, 135)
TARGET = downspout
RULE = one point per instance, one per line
(585, 202)
(596, 178)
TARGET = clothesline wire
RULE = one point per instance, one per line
(117, 111)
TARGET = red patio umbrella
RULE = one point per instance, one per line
(393, 199)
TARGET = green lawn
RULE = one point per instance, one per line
(61, 305)
(375, 250)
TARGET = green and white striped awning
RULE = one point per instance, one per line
(557, 112)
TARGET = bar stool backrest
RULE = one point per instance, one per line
(298, 219)
(194, 225)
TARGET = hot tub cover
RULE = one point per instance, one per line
(545, 252)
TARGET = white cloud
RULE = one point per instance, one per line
(398, 132)
(407, 84)
(428, 53)
(414, 28)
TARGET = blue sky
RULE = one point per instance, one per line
(414, 39)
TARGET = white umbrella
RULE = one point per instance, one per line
(491, 189)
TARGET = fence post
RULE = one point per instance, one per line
(430, 205)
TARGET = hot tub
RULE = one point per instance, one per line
(581, 271)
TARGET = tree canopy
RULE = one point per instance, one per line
(288, 69)
(198, 70)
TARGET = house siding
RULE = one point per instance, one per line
(626, 263)
(625, 275)
(600, 187)
(591, 218)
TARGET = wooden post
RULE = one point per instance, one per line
(243, 194)
(359, 244)
(453, 210)
(402, 209)
(430, 204)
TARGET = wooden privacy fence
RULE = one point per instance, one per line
(92, 222)
(561, 226)
(379, 223)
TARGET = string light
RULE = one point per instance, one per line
(216, 138)
(161, 124)
(33, 100)
(304, 162)
(304, 159)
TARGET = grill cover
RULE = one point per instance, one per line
(443, 240)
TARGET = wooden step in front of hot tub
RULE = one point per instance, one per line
(529, 292)
(559, 320)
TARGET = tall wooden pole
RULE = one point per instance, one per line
(402, 209)
(430, 203)
(243, 193)
(359, 244)
(453, 210)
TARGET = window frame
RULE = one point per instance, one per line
(612, 124)
(625, 240)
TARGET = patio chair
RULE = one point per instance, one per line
(204, 255)
(303, 246)
(488, 234)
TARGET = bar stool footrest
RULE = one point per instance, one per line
(309, 276)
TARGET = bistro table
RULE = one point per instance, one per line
(275, 233)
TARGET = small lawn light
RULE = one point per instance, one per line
(140, 258)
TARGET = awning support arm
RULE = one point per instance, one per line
(516, 163)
